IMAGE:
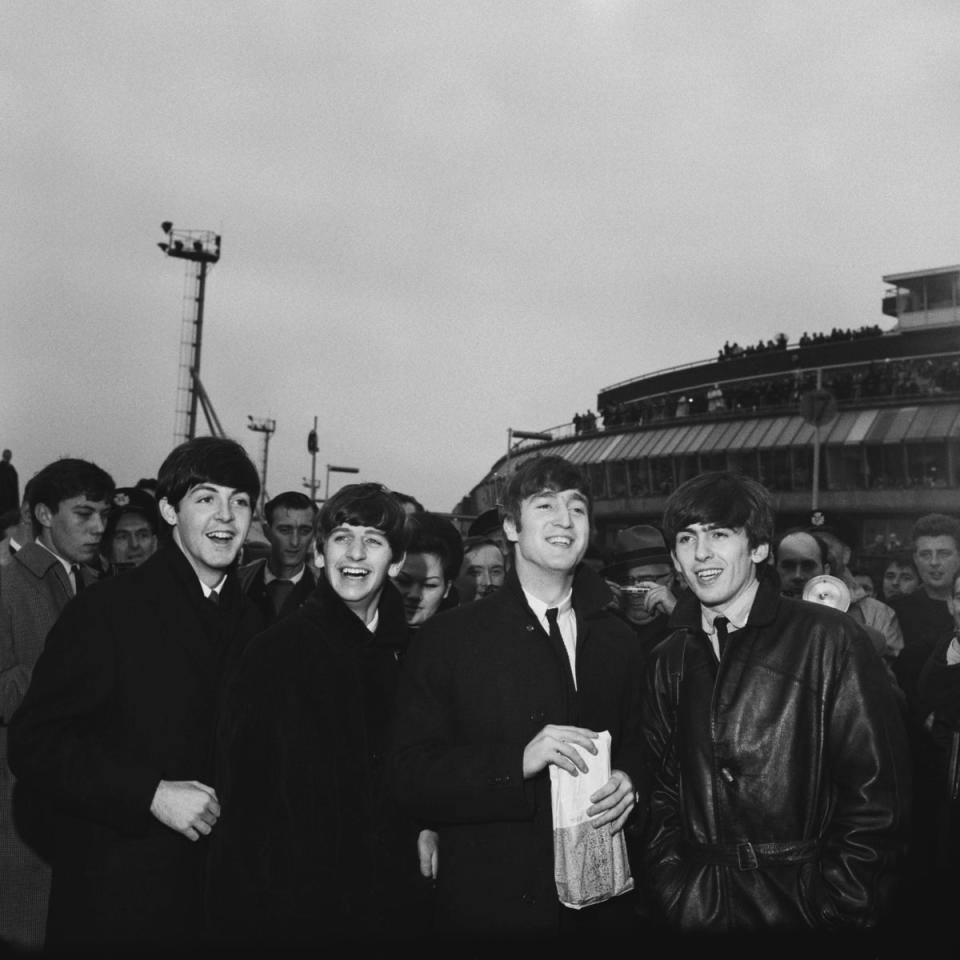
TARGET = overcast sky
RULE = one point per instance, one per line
(442, 219)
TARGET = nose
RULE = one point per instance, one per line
(356, 550)
(703, 551)
(98, 523)
(562, 516)
(295, 538)
(224, 509)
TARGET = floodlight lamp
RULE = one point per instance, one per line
(166, 226)
(164, 246)
(177, 244)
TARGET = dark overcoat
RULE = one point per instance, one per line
(124, 695)
(253, 584)
(478, 683)
(782, 786)
(310, 846)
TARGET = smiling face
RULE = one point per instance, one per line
(74, 530)
(290, 533)
(717, 562)
(422, 585)
(356, 562)
(551, 533)
(209, 525)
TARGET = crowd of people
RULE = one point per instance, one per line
(882, 380)
(364, 725)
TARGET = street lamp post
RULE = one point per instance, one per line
(333, 469)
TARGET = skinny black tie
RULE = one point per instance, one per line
(555, 634)
(720, 625)
(214, 598)
(77, 578)
(279, 590)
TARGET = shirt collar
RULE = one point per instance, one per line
(67, 565)
(217, 589)
(540, 608)
(736, 612)
(269, 576)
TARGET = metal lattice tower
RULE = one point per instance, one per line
(200, 248)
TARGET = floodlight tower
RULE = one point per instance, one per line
(199, 248)
(266, 427)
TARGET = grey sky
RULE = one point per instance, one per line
(443, 219)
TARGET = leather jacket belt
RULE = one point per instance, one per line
(750, 856)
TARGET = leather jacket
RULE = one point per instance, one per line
(778, 777)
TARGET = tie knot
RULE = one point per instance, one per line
(552, 614)
(720, 625)
(214, 598)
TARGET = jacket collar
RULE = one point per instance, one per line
(686, 615)
(325, 606)
(590, 591)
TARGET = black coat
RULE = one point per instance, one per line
(478, 683)
(124, 695)
(309, 846)
(252, 582)
(782, 782)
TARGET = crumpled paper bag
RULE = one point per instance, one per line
(589, 865)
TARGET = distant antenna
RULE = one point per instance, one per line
(199, 248)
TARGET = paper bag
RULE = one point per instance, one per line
(589, 865)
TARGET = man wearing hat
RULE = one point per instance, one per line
(641, 577)
(131, 529)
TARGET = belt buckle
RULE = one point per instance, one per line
(747, 856)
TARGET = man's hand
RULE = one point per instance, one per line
(613, 802)
(558, 745)
(428, 849)
(659, 597)
(187, 806)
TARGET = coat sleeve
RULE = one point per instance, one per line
(661, 780)
(14, 673)
(863, 843)
(938, 686)
(61, 739)
(441, 774)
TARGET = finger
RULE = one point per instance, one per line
(561, 760)
(203, 827)
(214, 808)
(574, 755)
(191, 834)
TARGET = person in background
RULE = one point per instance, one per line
(281, 582)
(67, 502)
(132, 531)
(430, 567)
(900, 576)
(9, 484)
(641, 577)
(482, 571)
(114, 737)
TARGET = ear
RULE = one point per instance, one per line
(759, 554)
(510, 529)
(394, 569)
(44, 515)
(168, 513)
(676, 563)
(446, 589)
